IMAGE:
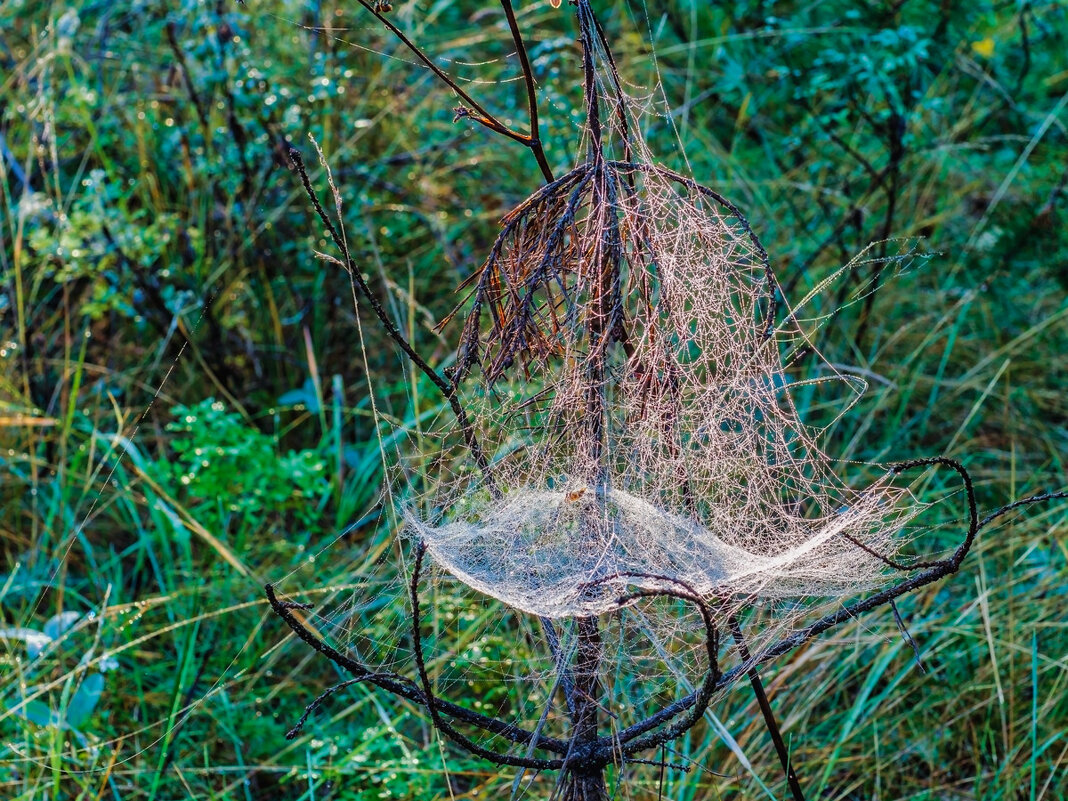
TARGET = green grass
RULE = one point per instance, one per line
(158, 257)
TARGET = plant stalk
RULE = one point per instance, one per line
(766, 711)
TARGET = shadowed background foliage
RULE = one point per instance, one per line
(184, 410)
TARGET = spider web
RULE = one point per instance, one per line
(696, 465)
(631, 376)
(629, 373)
(624, 373)
(624, 360)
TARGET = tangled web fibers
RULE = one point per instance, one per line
(637, 415)
(621, 365)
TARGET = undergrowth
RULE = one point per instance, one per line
(184, 414)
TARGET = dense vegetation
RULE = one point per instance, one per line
(184, 408)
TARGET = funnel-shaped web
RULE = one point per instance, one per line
(621, 365)
(637, 414)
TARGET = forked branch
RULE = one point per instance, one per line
(472, 109)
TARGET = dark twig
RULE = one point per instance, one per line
(433, 705)
(1040, 498)
(406, 688)
(661, 763)
(534, 140)
(937, 570)
(476, 112)
(472, 109)
(907, 637)
(447, 389)
(765, 709)
(319, 700)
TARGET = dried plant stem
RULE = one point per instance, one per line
(447, 389)
(473, 109)
(534, 140)
(765, 709)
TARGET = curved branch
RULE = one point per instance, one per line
(936, 571)
(406, 688)
(974, 524)
(432, 703)
(789, 643)
(630, 739)
(973, 508)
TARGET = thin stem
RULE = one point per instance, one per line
(479, 115)
(906, 636)
(447, 389)
(534, 140)
(473, 109)
(1045, 496)
(589, 82)
(319, 700)
(765, 709)
(621, 109)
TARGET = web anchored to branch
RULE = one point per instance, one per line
(626, 431)
(621, 362)
(630, 392)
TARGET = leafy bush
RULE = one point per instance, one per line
(230, 474)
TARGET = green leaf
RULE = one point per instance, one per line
(85, 699)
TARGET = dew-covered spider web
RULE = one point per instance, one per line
(623, 502)
(621, 362)
(631, 383)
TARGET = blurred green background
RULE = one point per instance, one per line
(184, 409)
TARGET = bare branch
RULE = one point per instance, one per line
(406, 688)
(447, 389)
(534, 140)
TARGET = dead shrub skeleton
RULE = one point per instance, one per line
(620, 386)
